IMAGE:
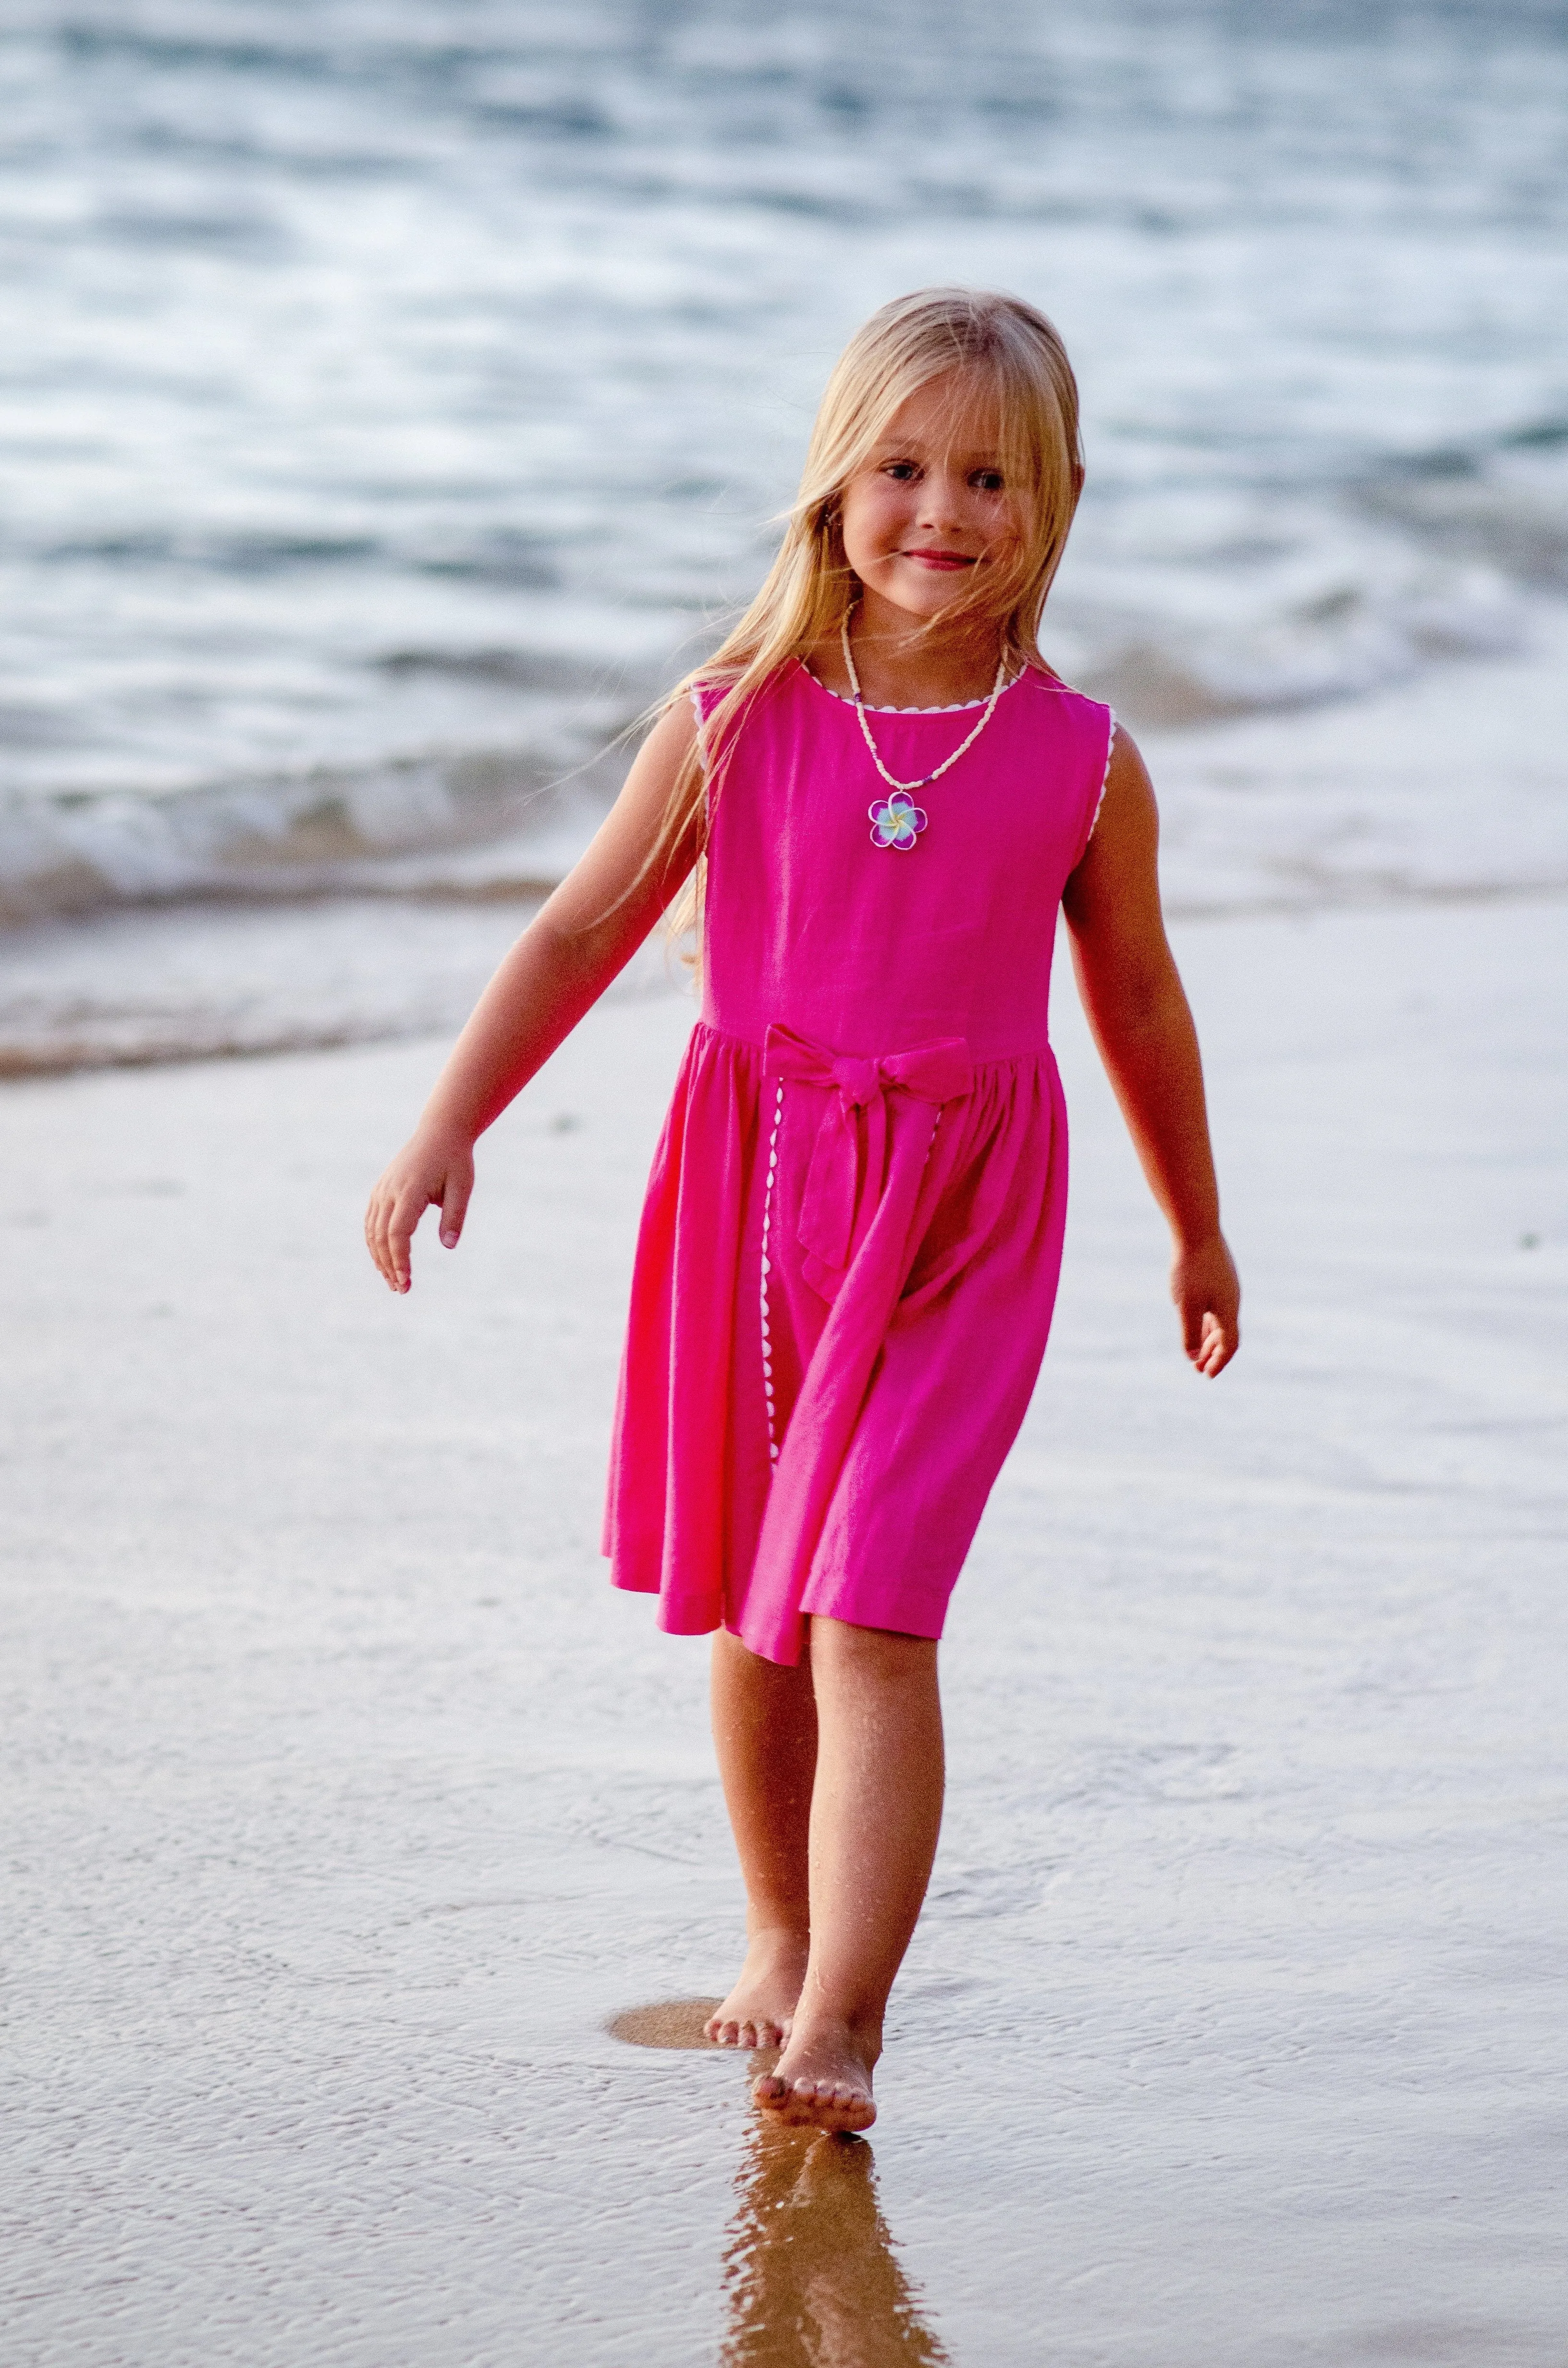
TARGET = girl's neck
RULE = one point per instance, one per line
(903, 663)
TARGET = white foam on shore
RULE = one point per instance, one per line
(393, 388)
(1453, 790)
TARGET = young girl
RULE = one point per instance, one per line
(849, 1251)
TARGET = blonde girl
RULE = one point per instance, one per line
(882, 796)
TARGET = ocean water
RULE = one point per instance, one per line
(394, 397)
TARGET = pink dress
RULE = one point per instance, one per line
(849, 1251)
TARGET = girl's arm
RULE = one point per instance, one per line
(559, 966)
(1141, 1024)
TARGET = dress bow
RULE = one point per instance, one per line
(850, 1152)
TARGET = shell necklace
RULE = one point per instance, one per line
(898, 821)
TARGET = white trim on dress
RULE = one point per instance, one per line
(1105, 784)
(767, 1270)
(959, 706)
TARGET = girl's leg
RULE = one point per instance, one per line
(876, 1811)
(765, 1728)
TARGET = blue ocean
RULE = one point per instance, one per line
(394, 397)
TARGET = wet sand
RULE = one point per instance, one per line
(346, 1805)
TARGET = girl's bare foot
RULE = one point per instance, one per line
(823, 2081)
(761, 2008)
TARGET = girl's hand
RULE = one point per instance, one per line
(1207, 1296)
(428, 1172)
(559, 966)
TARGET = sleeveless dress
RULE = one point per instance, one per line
(849, 1250)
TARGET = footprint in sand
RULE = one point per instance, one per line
(673, 2022)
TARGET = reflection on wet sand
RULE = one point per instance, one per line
(810, 2266)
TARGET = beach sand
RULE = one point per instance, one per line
(346, 1804)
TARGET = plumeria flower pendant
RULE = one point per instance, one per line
(896, 822)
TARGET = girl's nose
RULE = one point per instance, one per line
(944, 504)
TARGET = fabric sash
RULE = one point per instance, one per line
(850, 1151)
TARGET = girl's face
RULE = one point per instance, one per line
(929, 511)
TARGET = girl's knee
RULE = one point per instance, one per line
(872, 1653)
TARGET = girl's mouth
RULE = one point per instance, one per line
(943, 560)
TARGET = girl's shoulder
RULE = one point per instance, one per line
(707, 692)
(713, 696)
(1038, 676)
(1091, 725)
(1076, 729)
(704, 694)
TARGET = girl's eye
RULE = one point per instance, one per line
(987, 481)
(901, 469)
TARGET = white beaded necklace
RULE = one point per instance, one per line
(997, 687)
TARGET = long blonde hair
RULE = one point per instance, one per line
(1005, 350)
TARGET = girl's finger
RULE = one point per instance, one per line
(373, 1233)
(383, 1245)
(454, 1208)
(1219, 1348)
(405, 1216)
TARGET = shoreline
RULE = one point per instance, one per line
(1449, 791)
(21, 1066)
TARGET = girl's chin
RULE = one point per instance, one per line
(925, 591)
(932, 612)
(926, 595)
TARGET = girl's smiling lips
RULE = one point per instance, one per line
(940, 559)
